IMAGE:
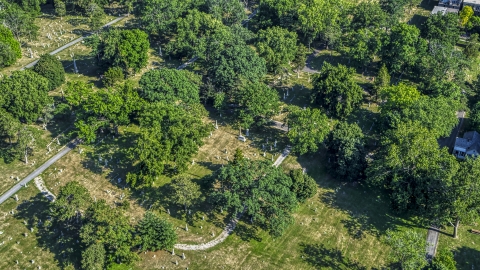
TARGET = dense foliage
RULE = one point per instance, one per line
(261, 192)
(51, 68)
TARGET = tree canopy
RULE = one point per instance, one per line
(307, 129)
(346, 151)
(25, 94)
(170, 86)
(127, 49)
(277, 46)
(156, 233)
(263, 193)
(50, 67)
(335, 90)
(170, 135)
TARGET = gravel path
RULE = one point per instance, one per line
(226, 232)
(41, 186)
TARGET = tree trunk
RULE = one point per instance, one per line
(455, 228)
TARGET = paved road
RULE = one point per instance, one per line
(73, 42)
(5, 196)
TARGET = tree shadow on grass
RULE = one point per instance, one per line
(367, 210)
(247, 232)
(321, 257)
(467, 258)
(57, 239)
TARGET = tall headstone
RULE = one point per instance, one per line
(173, 251)
(247, 132)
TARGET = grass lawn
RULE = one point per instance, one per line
(339, 228)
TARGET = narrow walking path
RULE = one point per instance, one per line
(43, 189)
(225, 233)
(5, 196)
(73, 42)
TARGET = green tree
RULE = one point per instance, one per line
(160, 16)
(381, 81)
(156, 233)
(51, 68)
(307, 129)
(256, 103)
(335, 90)
(95, 15)
(368, 14)
(233, 64)
(465, 14)
(442, 27)
(228, 11)
(93, 257)
(185, 191)
(399, 97)
(199, 34)
(6, 37)
(408, 249)
(442, 62)
(31, 6)
(110, 227)
(7, 55)
(260, 191)
(170, 135)
(304, 186)
(321, 18)
(472, 49)
(459, 199)
(113, 76)
(403, 48)
(60, 8)
(77, 92)
(170, 86)
(444, 260)
(9, 125)
(26, 142)
(127, 49)
(106, 108)
(300, 59)
(436, 114)
(72, 200)
(238, 156)
(363, 45)
(346, 149)
(20, 22)
(277, 46)
(411, 167)
(25, 94)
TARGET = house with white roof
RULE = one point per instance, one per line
(469, 145)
